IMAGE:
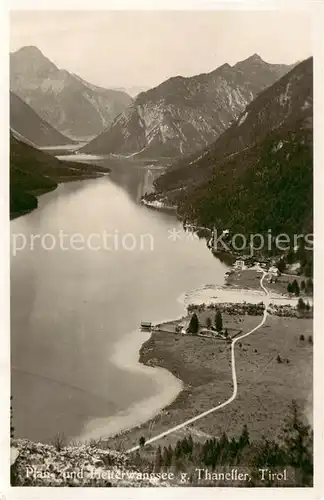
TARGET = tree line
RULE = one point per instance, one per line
(293, 449)
(305, 286)
(194, 325)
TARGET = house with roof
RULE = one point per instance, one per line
(274, 271)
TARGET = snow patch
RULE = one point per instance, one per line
(242, 119)
(283, 98)
(99, 104)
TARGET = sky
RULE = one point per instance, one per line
(144, 48)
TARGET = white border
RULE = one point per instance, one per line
(317, 9)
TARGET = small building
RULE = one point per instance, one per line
(146, 325)
(274, 271)
(239, 264)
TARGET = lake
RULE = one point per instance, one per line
(95, 263)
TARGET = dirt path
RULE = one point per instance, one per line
(234, 377)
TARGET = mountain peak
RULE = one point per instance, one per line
(29, 50)
(69, 103)
(30, 60)
(224, 66)
(255, 58)
(31, 54)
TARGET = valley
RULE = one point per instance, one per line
(160, 351)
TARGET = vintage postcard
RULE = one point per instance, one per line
(160, 171)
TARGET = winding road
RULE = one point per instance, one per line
(234, 377)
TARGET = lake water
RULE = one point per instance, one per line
(75, 313)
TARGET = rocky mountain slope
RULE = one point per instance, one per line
(70, 104)
(26, 123)
(258, 174)
(38, 464)
(183, 115)
(33, 172)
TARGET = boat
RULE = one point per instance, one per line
(146, 325)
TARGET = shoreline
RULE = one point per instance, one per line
(95, 174)
(126, 356)
(159, 363)
(151, 354)
(136, 361)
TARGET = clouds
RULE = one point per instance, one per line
(123, 48)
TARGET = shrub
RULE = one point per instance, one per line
(301, 304)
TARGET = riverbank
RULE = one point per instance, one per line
(274, 366)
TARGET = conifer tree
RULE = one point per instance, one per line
(245, 437)
(218, 321)
(298, 442)
(295, 287)
(194, 324)
(158, 459)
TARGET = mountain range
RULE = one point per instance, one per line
(70, 104)
(183, 115)
(238, 140)
(258, 174)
